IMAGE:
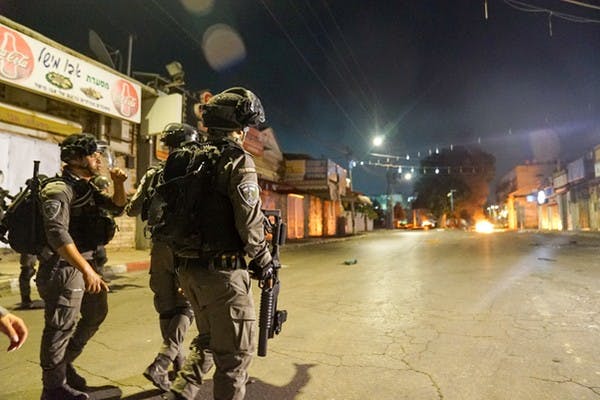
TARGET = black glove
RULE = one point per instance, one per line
(261, 273)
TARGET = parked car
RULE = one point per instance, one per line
(428, 222)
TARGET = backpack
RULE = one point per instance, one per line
(152, 202)
(174, 215)
(22, 224)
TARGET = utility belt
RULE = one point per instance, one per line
(223, 262)
(89, 256)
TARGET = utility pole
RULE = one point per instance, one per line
(451, 195)
(389, 220)
(351, 164)
(352, 210)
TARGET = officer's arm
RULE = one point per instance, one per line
(244, 193)
(93, 281)
(56, 200)
(119, 196)
(135, 205)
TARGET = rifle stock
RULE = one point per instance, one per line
(271, 319)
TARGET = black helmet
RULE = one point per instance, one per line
(175, 133)
(77, 145)
(235, 108)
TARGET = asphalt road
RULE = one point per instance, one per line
(420, 315)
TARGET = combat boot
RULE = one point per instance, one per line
(64, 392)
(75, 380)
(177, 366)
(178, 362)
(171, 396)
(158, 373)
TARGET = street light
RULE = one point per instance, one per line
(175, 70)
(378, 140)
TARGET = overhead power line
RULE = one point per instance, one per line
(342, 60)
(310, 67)
(334, 65)
(582, 4)
(177, 23)
(352, 55)
(527, 7)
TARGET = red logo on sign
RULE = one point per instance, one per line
(125, 98)
(16, 58)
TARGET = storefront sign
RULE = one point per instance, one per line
(295, 170)
(43, 122)
(32, 65)
(559, 180)
(575, 170)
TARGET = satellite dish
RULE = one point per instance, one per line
(99, 49)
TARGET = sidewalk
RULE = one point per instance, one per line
(119, 262)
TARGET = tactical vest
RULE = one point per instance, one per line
(217, 222)
(198, 217)
(90, 225)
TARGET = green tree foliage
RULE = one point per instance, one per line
(467, 171)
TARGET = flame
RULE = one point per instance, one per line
(484, 226)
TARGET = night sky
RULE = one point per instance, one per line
(332, 73)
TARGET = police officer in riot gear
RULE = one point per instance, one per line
(174, 310)
(72, 210)
(214, 276)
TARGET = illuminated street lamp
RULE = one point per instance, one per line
(378, 140)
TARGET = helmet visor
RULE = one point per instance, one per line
(106, 155)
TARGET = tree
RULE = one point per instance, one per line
(399, 213)
(467, 171)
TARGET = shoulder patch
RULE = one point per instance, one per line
(51, 208)
(249, 192)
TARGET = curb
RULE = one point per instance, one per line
(10, 286)
(127, 267)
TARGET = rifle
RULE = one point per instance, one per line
(271, 319)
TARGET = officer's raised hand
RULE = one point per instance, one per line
(118, 175)
(258, 272)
